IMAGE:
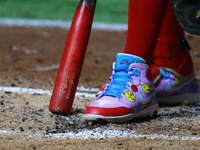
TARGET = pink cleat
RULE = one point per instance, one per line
(129, 95)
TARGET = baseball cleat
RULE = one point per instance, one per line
(129, 95)
(172, 90)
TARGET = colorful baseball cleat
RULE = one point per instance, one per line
(129, 95)
(172, 90)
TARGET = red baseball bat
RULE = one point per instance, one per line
(72, 58)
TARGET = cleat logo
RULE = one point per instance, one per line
(170, 89)
(146, 100)
(124, 61)
(129, 96)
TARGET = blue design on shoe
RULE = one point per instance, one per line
(136, 73)
(193, 88)
(139, 108)
(165, 74)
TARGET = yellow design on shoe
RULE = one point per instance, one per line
(177, 81)
(146, 88)
(129, 96)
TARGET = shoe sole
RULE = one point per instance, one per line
(187, 99)
(149, 112)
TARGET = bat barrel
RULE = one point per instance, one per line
(72, 58)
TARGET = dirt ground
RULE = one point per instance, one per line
(30, 57)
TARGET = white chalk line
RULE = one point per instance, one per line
(97, 133)
(47, 68)
(101, 134)
(59, 24)
(81, 91)
(10, 22)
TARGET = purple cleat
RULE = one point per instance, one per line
(175, 91)
(129, 95)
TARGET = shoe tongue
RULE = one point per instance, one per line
(124, 60)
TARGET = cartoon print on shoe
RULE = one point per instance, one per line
(130, 94)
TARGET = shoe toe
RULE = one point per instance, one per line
(108, 108)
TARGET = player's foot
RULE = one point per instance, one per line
(129, 95)
(173, 90)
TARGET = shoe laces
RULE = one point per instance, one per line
(119, 82)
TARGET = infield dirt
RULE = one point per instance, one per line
(30, 59)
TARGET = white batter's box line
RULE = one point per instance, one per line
(99, 134)
(59, 24)
(82, 92)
